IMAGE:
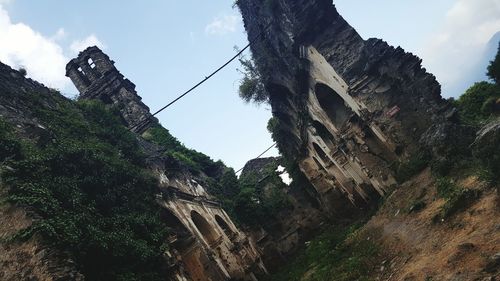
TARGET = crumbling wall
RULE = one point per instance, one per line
(351, 108)
(292, 226)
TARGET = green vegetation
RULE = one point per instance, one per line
(477, 105)
(340, 254)
(260, 199)
(457, 198)
(494, 68)
(84, 180)
(481, 102)
(414, 165)
(253, 200)
(252, 88)
(192, 159)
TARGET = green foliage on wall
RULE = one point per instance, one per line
(195, 161)
(92, 197)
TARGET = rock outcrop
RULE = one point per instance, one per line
(348, 109)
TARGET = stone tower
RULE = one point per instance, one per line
(96, 77)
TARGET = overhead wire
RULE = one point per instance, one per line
(238, 54)
(147, 119)
(274, 144)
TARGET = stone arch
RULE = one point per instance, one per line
(320, 166)
(225, 227)
(204, 227)
(333, 105)
(322, 154)
(323, 132)
(179, 235)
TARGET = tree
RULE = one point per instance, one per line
(475, 105)
(494, 68)
(252, 87)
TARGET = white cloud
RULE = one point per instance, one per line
(459, 43)
(60, 35)
(43, 57)
(80, 45)
(223, 25)
(22, 46)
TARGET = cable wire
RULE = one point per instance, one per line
(144, 121)
(274, 144)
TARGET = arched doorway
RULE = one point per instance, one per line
(204, 227)
(333, 105)
(225, 227)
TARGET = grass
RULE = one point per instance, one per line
(413, 166)
(341, 254)
(457, 198)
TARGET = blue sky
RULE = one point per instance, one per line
(165, 47)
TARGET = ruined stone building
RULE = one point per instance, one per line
(348, 108)
(205, 243)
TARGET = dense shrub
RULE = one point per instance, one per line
(338, 253)
(494, 68)
(252, 88)
(192, 159)
(476, 104)
(89, 191)
(414, 165)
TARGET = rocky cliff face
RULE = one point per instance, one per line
(348, 109)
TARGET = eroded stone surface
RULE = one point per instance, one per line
(350, 108)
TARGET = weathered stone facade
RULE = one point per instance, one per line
(349, 108)
(205, 243)
(96, 77)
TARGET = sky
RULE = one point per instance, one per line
(166, 46)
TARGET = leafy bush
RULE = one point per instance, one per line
(457, 198)
(192, 159)
(260, 201)
(89, 191)
(416, 163)
(446, 188)
(494, 68)
(339, 254)
(476, 104)
(252, 87)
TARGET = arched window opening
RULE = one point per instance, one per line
(91, 63)
(179, 236)
(225, 227)
(333, 105)
(320, 166)
(323, 132)
(204, 227)
(321, 153)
